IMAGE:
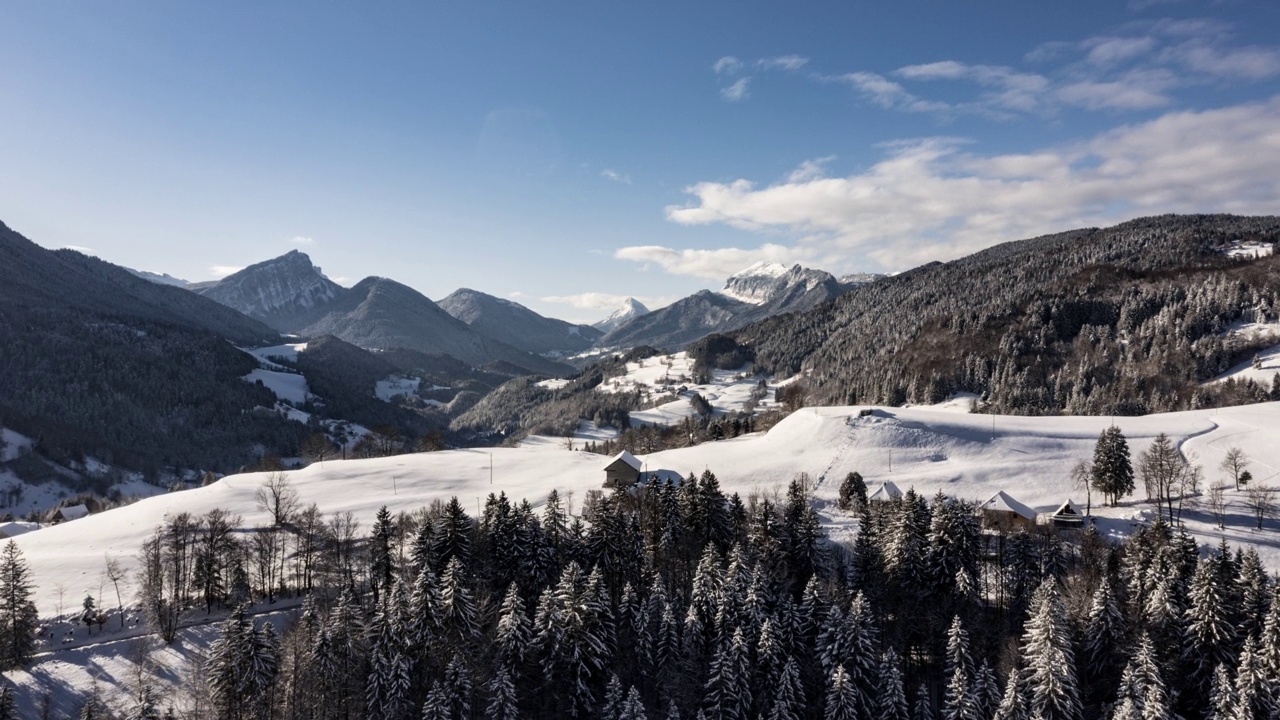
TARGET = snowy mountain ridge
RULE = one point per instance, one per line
(630, 308)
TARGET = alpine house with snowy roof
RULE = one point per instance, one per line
(622, 471)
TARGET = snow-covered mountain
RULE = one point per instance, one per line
(766, 281)
(630, 309)
(283, 292)
(760, 291)
(517, 325)
(160, 279)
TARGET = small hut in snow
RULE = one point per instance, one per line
(622, 471)
(71, 512)
(887, 492)
(1004, 512)
(1067, 516)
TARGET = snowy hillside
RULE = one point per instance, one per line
(1028, 457)
(665, 375)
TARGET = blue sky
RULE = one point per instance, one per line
(567, 155)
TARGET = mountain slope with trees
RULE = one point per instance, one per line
(1123, 320)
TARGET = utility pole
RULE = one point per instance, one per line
(394, 491)
(490, 468)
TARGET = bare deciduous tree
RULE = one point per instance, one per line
(278, 497)
(1216, 501)
(317, 448)
(1234, 464)
(115, 574)
(1261, 501)
(1082, 479)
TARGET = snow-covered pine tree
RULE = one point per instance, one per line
(502, 697)
(787, 700)
(438, 705)
(1053, 693)
(18, 616)
(1210, 634)
(8, 708)
(1222, 696)
(728, 691)
(1013, 704)
(1112, 466)
(841, 699)
(612, 698)
(987, 689)
(835, 646)
(143, 706)
(892, 700)
(633, 707)
(513, 632)
(458, 688)
(457, 608)
(380, 562)
(1251, 698)
(1105, 630)
(387, 691)
(923, 707)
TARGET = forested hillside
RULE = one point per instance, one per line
(1123, 320)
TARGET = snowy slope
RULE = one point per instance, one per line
(1030, 458)
(287, 386)
(728, 391)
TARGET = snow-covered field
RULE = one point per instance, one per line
(728, 391)
(396, 385)
(930, 449)
(287, 386)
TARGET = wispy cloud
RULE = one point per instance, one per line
(889, 94)
(615, 176)
(79, 249)
(606, 301)
(790, 63)
(934, 199)
(727, 65)
(221, 271)
(1141, 66)
(715, 264)
(737, 91)
(302, 240)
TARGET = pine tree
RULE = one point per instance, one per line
(787, 702)
(1046, 647)
(728, 692)
(502, 697)
(457, 608)
(458, 689)
(144, 706)
(387, 693)
(513, 633)
(1013, 705)
(18, 616)
(1104, 631)
(1210, 635)
(612, 698)
(892, 704)
(1222, 696)
(923, 709)
(841, 700)
(853, 493)
(1112, 467)
(1250, 690)
(633, 708)
(439, 704)
(380, 565)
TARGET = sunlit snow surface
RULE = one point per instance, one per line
(965, 455)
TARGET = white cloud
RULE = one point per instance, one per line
(1244, 63)
(615, 176)
(737, 91)
(344, 281)
(715, 264)
(1137, 91)
(607, 301)
(1110, 50)
(221, 271)
(889, 94)
(302, 240)
(783, 62)
(727, 65)
(79, 249)
(516, 294)
(928, 200)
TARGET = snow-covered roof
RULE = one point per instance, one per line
(74, 512)
(887, 491)
(1066, 508)
(627, 458)
(1004, 502)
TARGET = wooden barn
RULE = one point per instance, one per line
(1005, 512)
(1067, 516)
(622, 471)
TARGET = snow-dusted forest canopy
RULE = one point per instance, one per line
(678, 601)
